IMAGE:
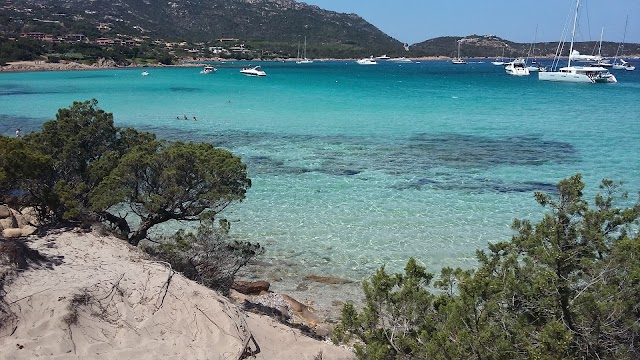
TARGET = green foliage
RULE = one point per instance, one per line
(208, 256)
(564, 288)
(173, 181)
(80, 168)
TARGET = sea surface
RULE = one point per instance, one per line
(355, 167)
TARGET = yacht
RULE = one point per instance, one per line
(401, 60)
(208, 69)
(145, 73)
(304, 59)
(383, 57)
(253, 71)
(517, 67)
(458, 60)
(367, 61)
(579, 74)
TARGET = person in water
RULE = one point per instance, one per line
(185, 117)
(194, 119)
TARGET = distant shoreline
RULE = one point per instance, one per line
(40, 65)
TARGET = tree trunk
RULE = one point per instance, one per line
(147, 223)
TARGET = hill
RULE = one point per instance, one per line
(492, 46)
(273, 23)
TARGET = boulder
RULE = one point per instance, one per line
(303, 312)
(20, 219)
(250, 288)
(30, 215)
(5, 212)
(8, 223)
(29, 230)
(327, 279)
(12, 233)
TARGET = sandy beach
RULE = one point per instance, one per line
(87, 296)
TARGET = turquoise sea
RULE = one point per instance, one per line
(355, 167)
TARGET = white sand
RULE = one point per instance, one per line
(123, 315)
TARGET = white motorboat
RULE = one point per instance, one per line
(208, 69)
(401, 60)
(383, 57)
(458, 60)
(304, 59)
(579, 74)
(145, 73)
(367, 61)
(517, 67)
(603, 63)
(253, 71)
(576, 56)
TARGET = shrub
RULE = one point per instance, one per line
(207, 255)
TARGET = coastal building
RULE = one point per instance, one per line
(34, 35)
(75, 38)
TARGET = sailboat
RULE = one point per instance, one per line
(602, 62)
(619, 63)
(579, 74)
(458, 60)
(499, 61)
(304, 59)
(533, 66)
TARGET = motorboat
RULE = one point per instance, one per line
(367, 61)
(535, 67)
(383, 57)
(145, 73)
(603, 63)
(576, 56)
(517, 67)
(578, 74)
(253, 71)
(208, 69)
(401, 60)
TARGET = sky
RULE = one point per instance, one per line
(414, 21)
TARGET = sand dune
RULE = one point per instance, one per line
(99, 298)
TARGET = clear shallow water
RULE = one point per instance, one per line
(354, 167)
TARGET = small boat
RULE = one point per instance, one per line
(144, 73)
(401, 60)
(208, 69)
(618, 62)
(623, 65)
(367, 61)
(499, 61)
(517, 67)
(253, 71)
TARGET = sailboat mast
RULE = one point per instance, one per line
(573, 33)
(600, 47)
